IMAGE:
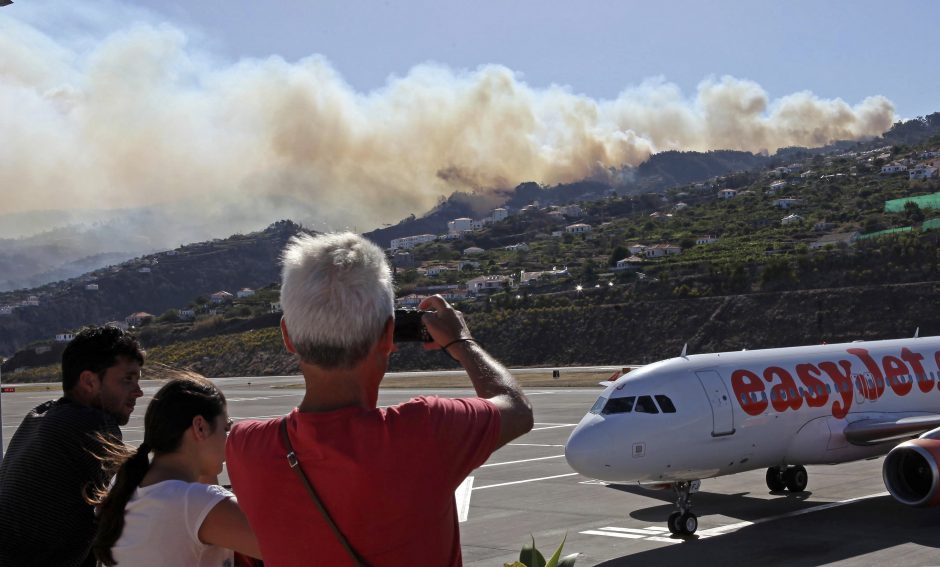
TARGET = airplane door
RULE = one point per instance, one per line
(717, 394)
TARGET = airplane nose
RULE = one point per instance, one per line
(587, 449)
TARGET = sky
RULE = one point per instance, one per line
(355, 114)
(846, 49)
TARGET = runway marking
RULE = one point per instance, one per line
(258, 398)
(259, 416)
(533, 445)
(656, 533)
(523, 481)
(731, 528)
(649, 533)
(556, 426)
(521, 461)
(462, 497)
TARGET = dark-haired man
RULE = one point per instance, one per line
(52, 460)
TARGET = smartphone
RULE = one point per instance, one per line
(409, 327)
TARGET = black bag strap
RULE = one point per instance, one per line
(295, 466)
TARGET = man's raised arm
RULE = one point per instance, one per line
(491, 380)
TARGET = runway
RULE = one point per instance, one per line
(844, 518)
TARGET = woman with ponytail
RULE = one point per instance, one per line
(168, 510)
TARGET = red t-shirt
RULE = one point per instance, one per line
(386, 476)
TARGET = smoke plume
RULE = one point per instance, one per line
(140, 117)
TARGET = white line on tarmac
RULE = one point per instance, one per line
(552, 427)
(260, 416)
(523, 481)
(613, 534)
(644, 531)
(521, 461)
(533, 445)
(656, 533)
(722, 530)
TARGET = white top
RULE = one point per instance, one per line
(161, 526)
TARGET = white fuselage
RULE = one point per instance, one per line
(739, 411)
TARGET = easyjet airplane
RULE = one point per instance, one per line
(680, 420)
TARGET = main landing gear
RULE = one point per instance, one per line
(683, 521)
(793, 479)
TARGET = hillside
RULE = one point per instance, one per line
(750, 250)
(596, 332)
(153, 283)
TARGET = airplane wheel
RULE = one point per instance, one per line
(775, 480)
(796, 478)
(673, 523)
(687, 523)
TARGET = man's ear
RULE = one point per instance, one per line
(288, 344)
(89, 383)
(387, 339)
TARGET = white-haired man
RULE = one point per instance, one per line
(386, 476)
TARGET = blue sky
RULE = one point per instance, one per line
(844, 49)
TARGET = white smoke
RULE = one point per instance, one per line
(137, 116)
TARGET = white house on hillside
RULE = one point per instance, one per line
(727, 194)
(791, 219)
(485, 284)
(660, 250)
(459, 226)
(137, 319)
(579, 228)
(923, 172)
(776, 187)
(500, 213)
(220, 297)
(707, 239)
(893, 168)
(407, 242)
(64, 337)
(629, 263)
(244, 292)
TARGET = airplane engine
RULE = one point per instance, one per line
(911, 472)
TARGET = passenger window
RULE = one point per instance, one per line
(665, 404)
(644, 404)
(619, 405)
(598, 405)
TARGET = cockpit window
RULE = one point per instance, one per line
(665, 404)
(644, 404)
(619, 405)
(598, 405)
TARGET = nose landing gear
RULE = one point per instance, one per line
(683, 521)
(793, 479)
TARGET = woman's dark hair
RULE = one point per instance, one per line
(169, 415)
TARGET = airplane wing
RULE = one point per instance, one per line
(874, 431)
